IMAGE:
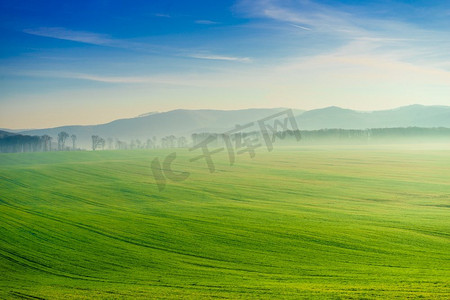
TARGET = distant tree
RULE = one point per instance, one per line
(195, 138)
(168, 141)
(149, 144)
(62, 136)
(74, 140)
(121, 145)
(181, 142)
(164, 142)
(110, 143)
(20, 143)
(172, 141)
(132, 145)
(97, 141)
(94, 142)
(46, 141)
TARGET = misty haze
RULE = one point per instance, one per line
(237, 149)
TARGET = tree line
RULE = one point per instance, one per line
(150, 143)
(401, 134)
(10, 142)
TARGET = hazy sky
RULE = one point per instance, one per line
(88, 62)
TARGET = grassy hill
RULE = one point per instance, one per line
(295, 223)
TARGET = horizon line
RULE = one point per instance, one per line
(16, 130)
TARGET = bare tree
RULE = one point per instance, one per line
(62, 136)
(74, 140)
(181, 142)
(46, 142)
(101, 143)
(121, 145)
(149, 144)
(97, 141)
(94, 142)
(169, 141)
(110, 143)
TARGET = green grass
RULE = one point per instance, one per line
(325, 223)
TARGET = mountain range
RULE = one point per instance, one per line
(185, 122)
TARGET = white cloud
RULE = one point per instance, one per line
(162, 15)
(301, 27)
(105, 40)
(192, 80)
(206, 22)
(357, 30)
(219, 57)
(71, 35)
(375, 63)
(306, 14)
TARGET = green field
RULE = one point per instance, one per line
(324, 223)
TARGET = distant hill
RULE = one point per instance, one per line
(5, 134)
(408, 116)
(176, 122)
(185, 122)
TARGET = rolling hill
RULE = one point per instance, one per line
(304, 223)
(185, 122)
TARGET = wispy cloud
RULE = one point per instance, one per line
(190, 80)
(358, 30)
(305, 14)
(98, 39)
(105, 40)
(206, 22)
(71, 35)
(301, 27)
(162, 15)
(107, 79)
(219, 57)
(349, 23)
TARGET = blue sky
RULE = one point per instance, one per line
(88, 62)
